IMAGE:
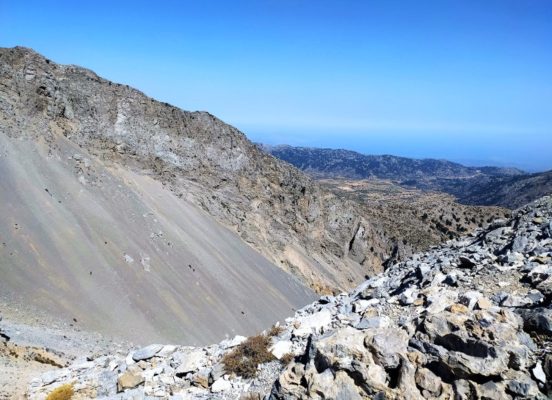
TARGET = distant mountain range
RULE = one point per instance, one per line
(508, 187)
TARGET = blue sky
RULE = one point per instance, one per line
(464, 80)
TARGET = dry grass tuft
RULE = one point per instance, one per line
(244, 359)
(63, 392)
(287, 358)
(276, 330)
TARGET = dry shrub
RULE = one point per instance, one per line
(63, 392)
(276, 330)
(287, 358)
(244, 358)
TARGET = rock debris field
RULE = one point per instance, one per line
(469, 319)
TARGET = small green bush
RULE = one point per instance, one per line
(63, 392)
(244, 359)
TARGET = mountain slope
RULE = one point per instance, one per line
(469, 319)
(506, 187)
(272, 206)
(331, 163)
(505, 191)
(417, 218)
(101, 149)
(125, 256)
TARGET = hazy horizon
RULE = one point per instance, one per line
(464, 81)
(484, 155)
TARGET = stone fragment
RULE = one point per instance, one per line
(147, 352)
(217, 372)
(458, 309)
(537, 320)
(387, 346)
(221, 385)
(280, 348)
(129, 380)
(522, 386)
(538, 373)
(201, 378)
(428, 381)
(188, 361)
(470, 298)
(483, 303)
(374, 322)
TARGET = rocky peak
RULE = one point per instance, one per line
(469, 319)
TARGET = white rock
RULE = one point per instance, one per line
(221, 385)
(150, 373)
(82, 365)
(167, 350)
(301, 332)
(189, 361)
(439, 299)
(236, 341)
(538, 373)
(129, 360)
(316, 321)
(470, 298)
(360, 306)
(408, 296)
(147, 352)
(280, 348)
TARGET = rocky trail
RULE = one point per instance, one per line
(32, 343)
(469, 319)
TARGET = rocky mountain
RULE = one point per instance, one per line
(469, 319)
(117, 206)
(332, 163)
(506, 187)
(272, 206)
(505, 191)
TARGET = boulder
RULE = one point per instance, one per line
(387, 346)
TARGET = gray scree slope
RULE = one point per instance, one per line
(271, 205)
(125, 256)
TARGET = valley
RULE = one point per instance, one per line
(480, 186)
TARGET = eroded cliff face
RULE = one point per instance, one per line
(274, 207)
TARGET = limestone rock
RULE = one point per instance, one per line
(146, 352)
(129, 380)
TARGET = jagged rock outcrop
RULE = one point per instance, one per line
(275, 208)
(418, 219)
(470, 319)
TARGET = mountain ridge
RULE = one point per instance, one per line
(333, 153)
(468, 184)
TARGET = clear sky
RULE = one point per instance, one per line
(465, 80)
